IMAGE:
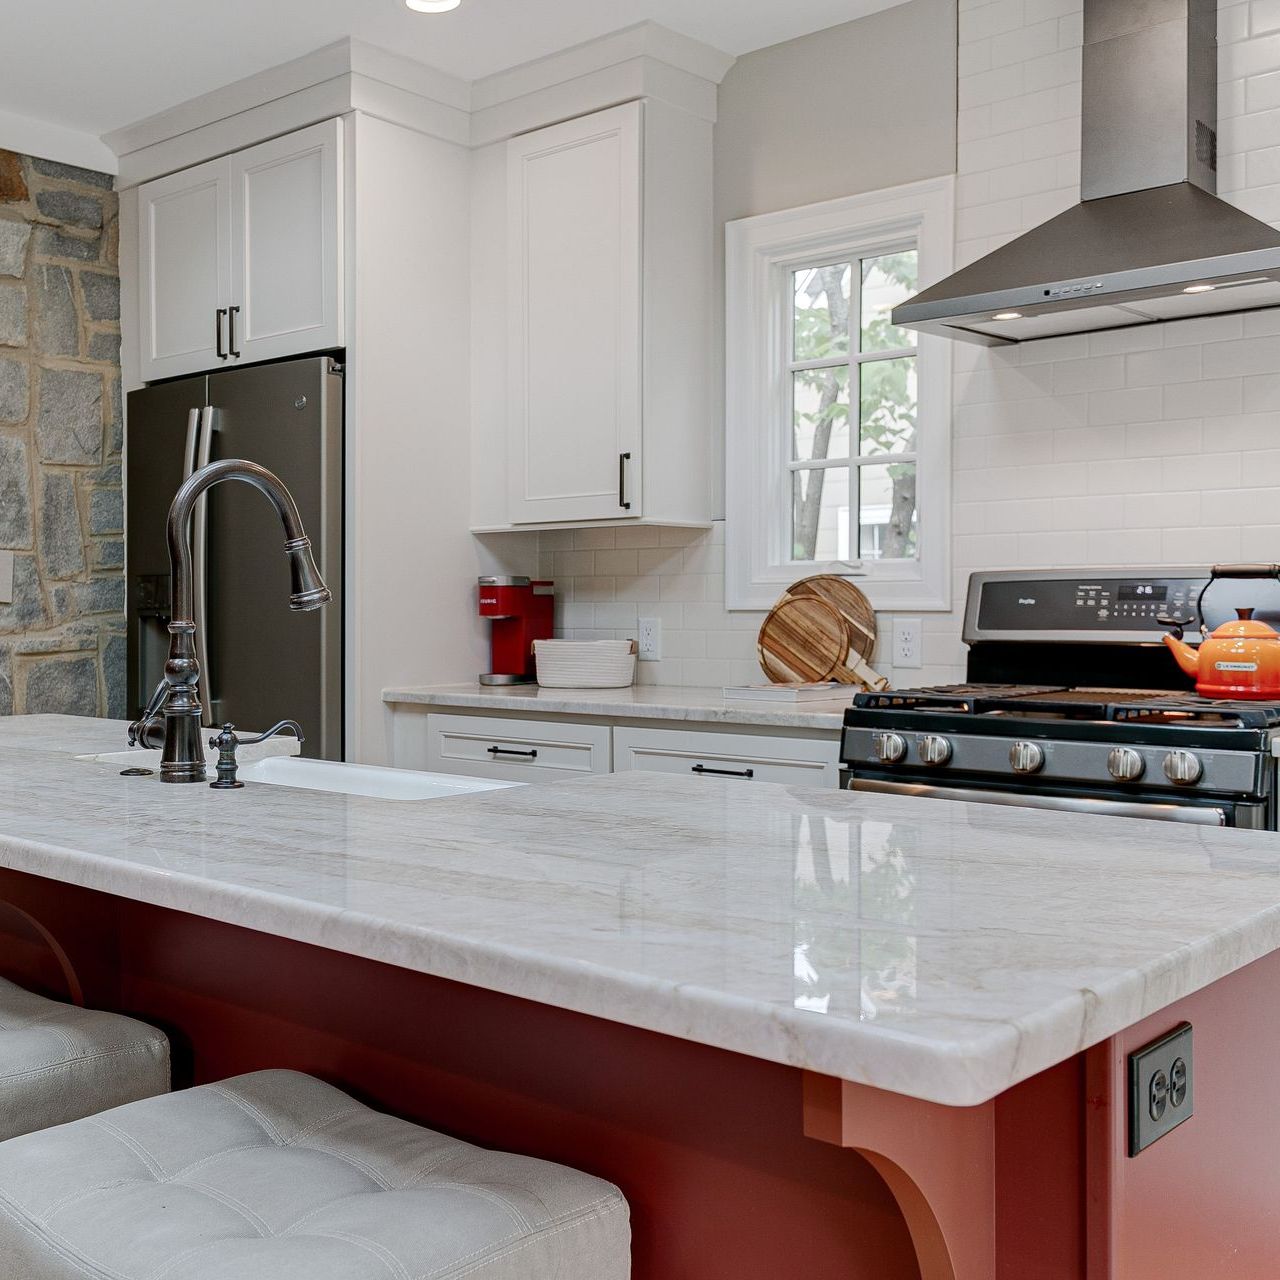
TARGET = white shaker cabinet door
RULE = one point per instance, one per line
(184, 271)
(574, 340)
(286, 245)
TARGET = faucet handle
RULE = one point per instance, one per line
(271, 733)
(225, 742)
(139, 729)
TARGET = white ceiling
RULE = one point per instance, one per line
(97, 65)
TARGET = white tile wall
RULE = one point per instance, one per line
(1151, 445)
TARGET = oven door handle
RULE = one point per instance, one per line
(1201, 816)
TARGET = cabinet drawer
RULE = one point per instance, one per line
(515, 750)
(810, 762)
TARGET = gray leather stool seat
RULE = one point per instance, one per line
(276, 1176)
(60, 1063)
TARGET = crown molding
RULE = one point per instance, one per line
(645, 60)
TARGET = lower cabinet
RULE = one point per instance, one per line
(516, 750)
(811, 762)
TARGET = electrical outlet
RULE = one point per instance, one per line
(1160, 1087)
(6, 577)
(906, 643)
(650, 639)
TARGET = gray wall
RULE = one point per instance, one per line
(831, 115)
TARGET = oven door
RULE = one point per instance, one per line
(1233, 814)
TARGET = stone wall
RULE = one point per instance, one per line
(62, 642)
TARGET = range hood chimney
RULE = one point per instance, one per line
(1149, 239)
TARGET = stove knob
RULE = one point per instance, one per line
(1183, 768)
(1124, 764)
(1026, 757)
(889, 747)
(935, 749)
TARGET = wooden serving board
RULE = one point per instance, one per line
(823, 628)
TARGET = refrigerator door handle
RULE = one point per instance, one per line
(200, 554)
(189, 451)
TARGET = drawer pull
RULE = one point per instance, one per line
(724, 773)
(507, 751)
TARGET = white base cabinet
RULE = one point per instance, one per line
(809, 762)
(515, 750)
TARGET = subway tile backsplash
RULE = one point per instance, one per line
(1152, 445)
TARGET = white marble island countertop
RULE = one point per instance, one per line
(932, 948)
(640, 702)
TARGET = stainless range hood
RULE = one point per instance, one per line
(1149, 240)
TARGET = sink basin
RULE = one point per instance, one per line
(363, 779)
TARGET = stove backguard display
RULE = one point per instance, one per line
(1107, 606)
(1104, 605)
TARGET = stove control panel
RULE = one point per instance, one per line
(1107, 606)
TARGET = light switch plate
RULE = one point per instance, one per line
(1161, 1088)
(6, 577)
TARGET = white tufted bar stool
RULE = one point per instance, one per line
(277, 1176)
(60, 1063)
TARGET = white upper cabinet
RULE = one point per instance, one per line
(241, 258)
(184, 269)
(574, 341)
(284, 244)
(609, 286)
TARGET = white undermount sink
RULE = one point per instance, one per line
(268, 763)
(363, 779)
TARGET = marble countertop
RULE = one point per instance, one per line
(932, 948)
(640, 702)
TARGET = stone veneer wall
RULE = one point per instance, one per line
(62, 642)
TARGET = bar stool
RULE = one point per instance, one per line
(59, 1063)
(276, 1174)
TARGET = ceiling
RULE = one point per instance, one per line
(97, 65)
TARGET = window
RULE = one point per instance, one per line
(837, 422)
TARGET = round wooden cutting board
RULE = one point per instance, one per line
(823, 628)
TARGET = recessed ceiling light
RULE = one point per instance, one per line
(432, 6)
(1200, 288)
(1007, 315)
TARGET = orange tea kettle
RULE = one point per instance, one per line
(1241, 659)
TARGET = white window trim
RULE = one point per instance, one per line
(759, 252)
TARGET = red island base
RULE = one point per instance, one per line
(735, 1168)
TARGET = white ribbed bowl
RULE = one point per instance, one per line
(585, 664)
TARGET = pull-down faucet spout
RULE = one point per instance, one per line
(183, 758)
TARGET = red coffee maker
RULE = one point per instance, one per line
(521, 611)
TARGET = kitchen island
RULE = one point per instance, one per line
(809, 1033)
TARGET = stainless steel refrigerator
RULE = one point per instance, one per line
(260, 663)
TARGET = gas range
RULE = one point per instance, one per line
(1039, 722)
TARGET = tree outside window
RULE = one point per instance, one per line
(853, 479)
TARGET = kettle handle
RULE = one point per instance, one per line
(1245, 571)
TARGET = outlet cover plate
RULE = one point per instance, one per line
(650, 642)
(6, 577)
(906, 643)
(1161, 1088)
